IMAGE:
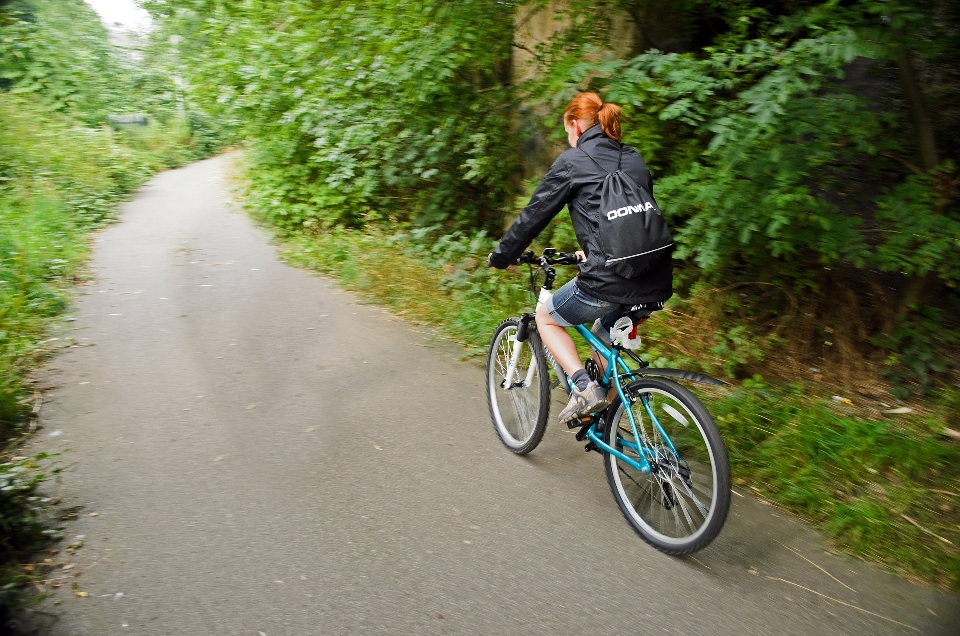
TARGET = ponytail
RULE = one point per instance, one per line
(590, 108)
(609, 118)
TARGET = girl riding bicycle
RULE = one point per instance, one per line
(598, 293)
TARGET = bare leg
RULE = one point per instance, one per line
(558, 342)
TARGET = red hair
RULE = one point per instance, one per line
(589, 107)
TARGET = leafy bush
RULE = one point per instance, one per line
(385, 107)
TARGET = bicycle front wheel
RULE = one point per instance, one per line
(679, 505)
(519, 409)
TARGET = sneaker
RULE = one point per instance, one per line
(590, 400)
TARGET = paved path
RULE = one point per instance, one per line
(247, 435)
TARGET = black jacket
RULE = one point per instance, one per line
(576, 181)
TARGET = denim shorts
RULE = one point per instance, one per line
(571, 306)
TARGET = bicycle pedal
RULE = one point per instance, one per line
(582, 433)
(584, 420)
(591, 447)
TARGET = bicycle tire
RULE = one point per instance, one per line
(520, 412)
(667, 506)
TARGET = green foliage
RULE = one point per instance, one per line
(59, 50)
(40, 246)
(384, 106)
(916, 351)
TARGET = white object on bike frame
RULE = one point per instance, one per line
(620, 333)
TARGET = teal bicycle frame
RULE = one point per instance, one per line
(614, 376)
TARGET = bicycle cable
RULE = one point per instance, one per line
(533, 284)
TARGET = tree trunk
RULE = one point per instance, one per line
(921, 122)
(930, 158)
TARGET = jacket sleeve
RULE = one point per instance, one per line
(548, 199)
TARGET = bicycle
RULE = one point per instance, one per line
(664, 458)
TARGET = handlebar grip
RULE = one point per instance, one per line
(567, 259)
(527, 257)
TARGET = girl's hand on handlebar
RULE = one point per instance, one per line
(581, 256)
(490, 262)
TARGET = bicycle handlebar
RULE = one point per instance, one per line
(550, 256)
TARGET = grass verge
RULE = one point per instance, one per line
(883, 487)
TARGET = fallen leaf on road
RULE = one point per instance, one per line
(69, 566)
(311, 429)
(219, 458)
(252, 406)
(899, 411)
(94, 514)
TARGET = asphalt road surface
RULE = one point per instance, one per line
(257, 453)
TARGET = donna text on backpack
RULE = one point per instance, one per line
(633, 233)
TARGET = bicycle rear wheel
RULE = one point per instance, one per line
(680, 505)
(519, 411)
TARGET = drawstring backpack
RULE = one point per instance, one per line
(633, 233)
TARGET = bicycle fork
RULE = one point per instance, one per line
(517, 342)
